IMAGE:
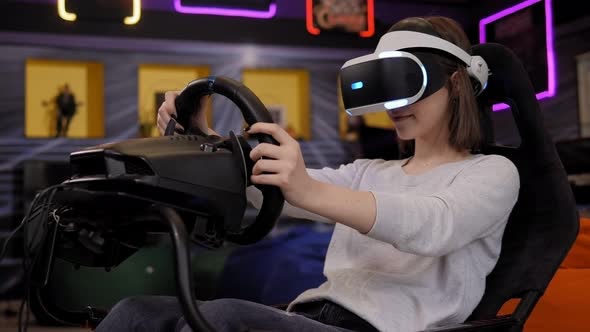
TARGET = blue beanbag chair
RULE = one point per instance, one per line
(276, 269)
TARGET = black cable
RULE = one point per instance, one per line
(24, 225)
(52, 190)
(32, 213)
(14, 232)
(5, 245)
(20, 315)
(26, 255)
(27, 268)
(28, 216)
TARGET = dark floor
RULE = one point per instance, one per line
(9, 320)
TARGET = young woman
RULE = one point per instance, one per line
(414, 239)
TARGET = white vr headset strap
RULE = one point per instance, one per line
(399, 40)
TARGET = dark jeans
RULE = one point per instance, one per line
(163, 314)
(331, 313)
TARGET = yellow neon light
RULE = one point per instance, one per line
(130, 20)
(63, 13)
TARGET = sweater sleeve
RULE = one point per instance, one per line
(342, 176)
(477, 203)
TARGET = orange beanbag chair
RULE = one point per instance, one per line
(565, 306)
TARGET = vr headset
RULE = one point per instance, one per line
(403, 70)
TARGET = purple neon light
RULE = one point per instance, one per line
(550, 92)
(270, 13)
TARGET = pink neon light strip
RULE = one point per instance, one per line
(270, 13)
(550, 92)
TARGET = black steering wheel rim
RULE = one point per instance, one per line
(253, 111)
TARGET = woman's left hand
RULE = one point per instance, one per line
(281, 165)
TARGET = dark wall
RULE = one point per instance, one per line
(165, 24)
(561, 112)
(159, 20)
(121, 58)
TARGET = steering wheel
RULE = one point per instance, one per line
(253, 110)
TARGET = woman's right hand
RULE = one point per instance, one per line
(168, 109)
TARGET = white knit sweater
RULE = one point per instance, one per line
(436, 237)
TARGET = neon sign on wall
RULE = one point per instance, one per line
(267, 13)
(356, 16)
(129, 20)
(550, 53)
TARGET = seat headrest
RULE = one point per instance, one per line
(509, 83)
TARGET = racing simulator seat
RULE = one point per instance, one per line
(544, 222)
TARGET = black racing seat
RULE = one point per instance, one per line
(544, 222)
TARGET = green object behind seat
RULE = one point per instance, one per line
(150, 271)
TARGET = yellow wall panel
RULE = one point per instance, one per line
(155, 78)
(96, 94)
(43, 81)
(286, 89)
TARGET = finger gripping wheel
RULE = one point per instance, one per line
(253, 111)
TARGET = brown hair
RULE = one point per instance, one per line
(464, 127)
